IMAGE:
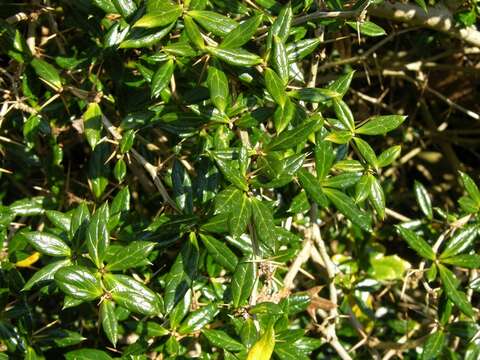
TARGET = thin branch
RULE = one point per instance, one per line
(151, 170)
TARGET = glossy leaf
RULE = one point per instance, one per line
(263, 348)
(242, 33)
(291, 138)
(450, 285)
(129, 256)
(133, 295)
(264, 224)
(214, 22)
(416, 242)
(235, 57)
(275, 87)
(97, 235)
(218, 85)
(161, 78)
(243, 281)
(109, 320)
(460, 242)
(434, 345)
(379, 125)
(162, 16)
(347, 207)
(198, 319)
(313, 187)
(367, 28)
(423, 199)
(48, 73)
(48, 244)
(46, 273)
(220, 252)
(78, 282)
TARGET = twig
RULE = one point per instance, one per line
(330, 15)
(152, 170)
(330, 332)
(301, 258)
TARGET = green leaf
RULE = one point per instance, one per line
(264, 224)
(80, 220)
(298, 50)
(211, 21)
(314, 95)
(182, 187)
(388, 156)
(139, 38)
(388, 268)
(469, 261)
(198, 319)
(46, 273)
(379, 125)
(28, 206)
(348, 208)
(87, 354)
(263, 348)
(460, 242)
(450, 285)
(133, 295)
(281, 25)
(182, 273)
(222, 340)
(109, 320)
(126, 8)
(423, 199)
(193, 32)
(161, 78)
(129, 256)
(291, 138)
(283, 116)
(342, 84)
(363, 188)
(275, 87)
(242, 33)
(366, 151)
(218, 85)
(416, 243)
(48, 244)
(313, 187)
(78, 282)
(240, 217)
(59, 219)
(48, 73)
(422, 4)
(220, 252)
(280, 59)
(166, 14)
(434, 345)
(344, 114)
(366, 28)
(471, 187)
(92, 123)
(235, 57)
(243, 280)
(97, 235)
(180, 310)
(341, 181)
(377, 197)
(230, 169)
(324, 158)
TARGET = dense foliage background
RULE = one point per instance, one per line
(239, 179)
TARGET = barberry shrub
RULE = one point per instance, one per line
(179, 182)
